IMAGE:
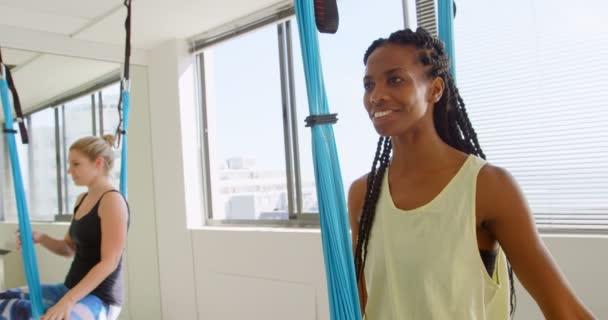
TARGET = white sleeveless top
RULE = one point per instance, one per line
(425, 263)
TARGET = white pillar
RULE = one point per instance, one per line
(168, 65)
(142, 267)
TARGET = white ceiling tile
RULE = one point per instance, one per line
(155, 21)
(49, 76)
(36, 20)
(83, 9)
(17, 57)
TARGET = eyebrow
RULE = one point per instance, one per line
(387, 72)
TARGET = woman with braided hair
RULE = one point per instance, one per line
(431, 219)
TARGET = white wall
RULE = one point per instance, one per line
(583, 260)
(144, 293)
(167, 63)
(52, 268)
(215, 273)
(260, 274)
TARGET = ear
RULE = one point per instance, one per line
(436, 90)
(99, 163)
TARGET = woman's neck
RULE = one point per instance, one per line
(420, 150)
(99, 186)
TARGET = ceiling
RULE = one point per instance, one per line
(52, 38)
(153, 21)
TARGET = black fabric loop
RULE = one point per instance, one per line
(319, 119)
(16, 103)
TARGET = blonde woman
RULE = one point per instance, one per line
(96, 238)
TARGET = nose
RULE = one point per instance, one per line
(377, 96)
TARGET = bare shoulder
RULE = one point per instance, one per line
(498, 194)
(113, 196)
(356, 196)
(492, 176)
(496, 186)
(113, 203)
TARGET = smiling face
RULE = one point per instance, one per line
(399, 96)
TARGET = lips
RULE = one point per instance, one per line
(381, 114)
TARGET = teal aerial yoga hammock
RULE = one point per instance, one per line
(27, 241)
(445, 20)
(339, 266)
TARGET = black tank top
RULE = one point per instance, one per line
(86, 235)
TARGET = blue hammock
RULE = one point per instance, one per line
(339, 267)
(126, 104)
(27, 241)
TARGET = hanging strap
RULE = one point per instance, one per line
(126, 72)
(27, 241)
(127, 4)
(16, 102)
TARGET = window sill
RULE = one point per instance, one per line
(555, 230)
(63, 218)
(261, 226)
(38, 223)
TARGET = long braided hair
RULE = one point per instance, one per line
(451, 122)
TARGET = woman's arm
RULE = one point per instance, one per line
(114, 217)
(508, 217)
(63, 247)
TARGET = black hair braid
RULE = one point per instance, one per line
(464, 122)
(371, 183)
(451, 122)
(374, 179)
(370, 179)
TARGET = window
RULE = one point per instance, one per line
(49, 189)
(9, 201)
(259, 154)
(247, 150)
(532, 78)
(108, 98)
(43, 157)
(78, 122)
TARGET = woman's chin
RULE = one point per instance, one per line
(386, 131)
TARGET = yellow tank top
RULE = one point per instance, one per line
(425, 263)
